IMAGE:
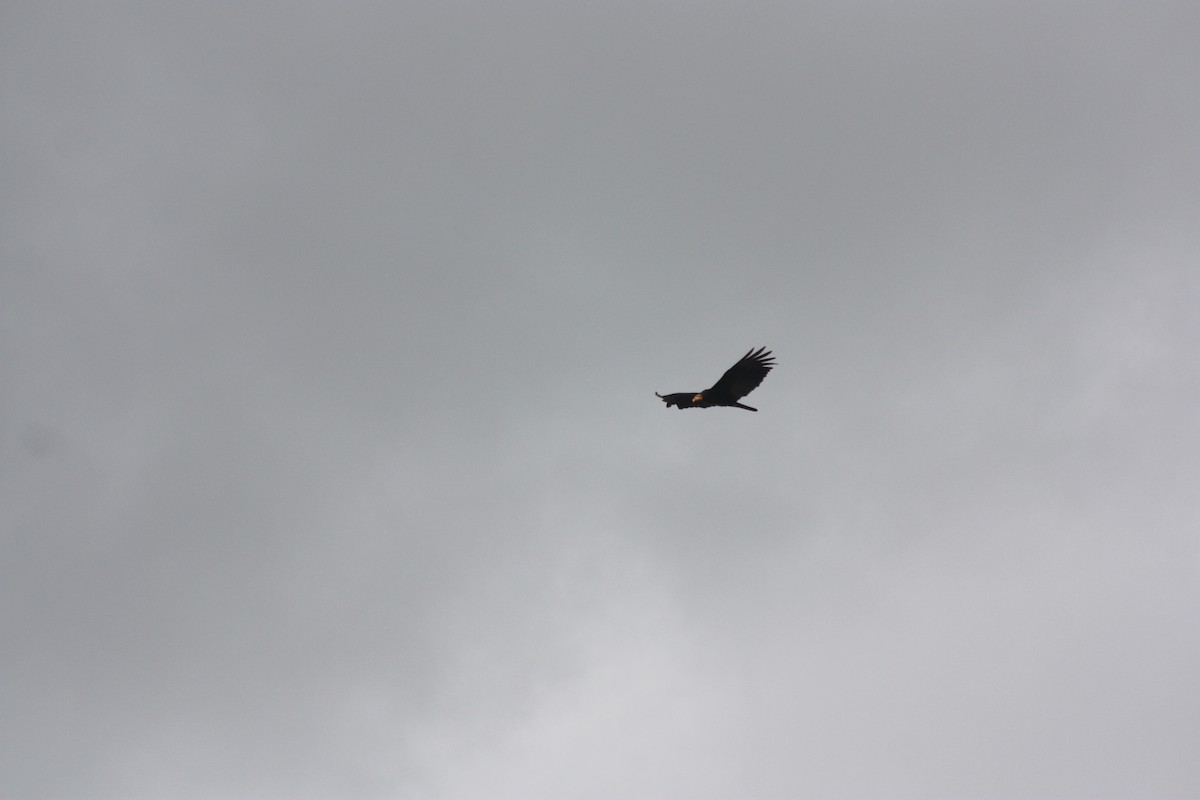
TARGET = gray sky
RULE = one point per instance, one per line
(330, 464)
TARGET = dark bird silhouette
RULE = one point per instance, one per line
(738, 381)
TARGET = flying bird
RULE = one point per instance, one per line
(738, 381)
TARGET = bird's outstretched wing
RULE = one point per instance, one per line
(743, 377)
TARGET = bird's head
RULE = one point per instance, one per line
(699, 398)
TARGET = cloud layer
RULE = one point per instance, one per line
(332, 465)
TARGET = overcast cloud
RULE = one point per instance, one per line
(330, 462)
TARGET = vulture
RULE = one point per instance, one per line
(738, 381)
